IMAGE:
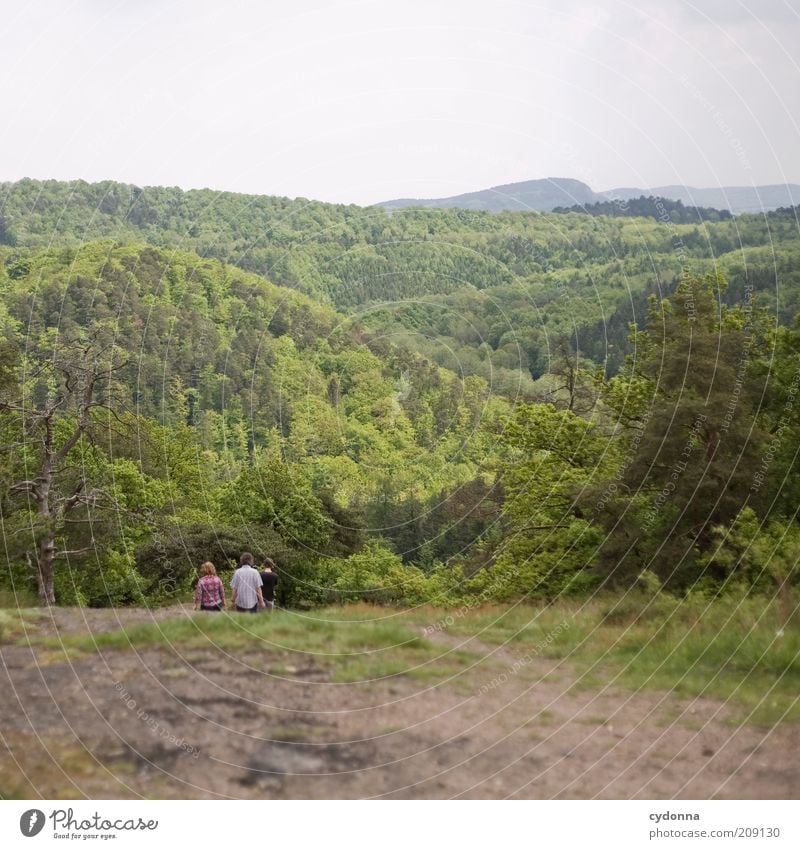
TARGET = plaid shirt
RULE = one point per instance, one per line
(210, 591)
(246, 581)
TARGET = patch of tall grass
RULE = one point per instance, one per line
(740, 648)
(16, 622)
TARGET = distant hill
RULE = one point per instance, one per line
(547, 194)
(531, 195)
(737, 199)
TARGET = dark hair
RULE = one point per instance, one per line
(246, 558)
(269, 563)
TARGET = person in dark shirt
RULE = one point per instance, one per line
(268, 581)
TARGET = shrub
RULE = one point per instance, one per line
(168, 564)
(377, 575)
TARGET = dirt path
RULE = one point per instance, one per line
(204, 724)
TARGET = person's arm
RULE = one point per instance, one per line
(261, 602)
(222, 592)
(233, 591)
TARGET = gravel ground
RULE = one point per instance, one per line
(202, 723)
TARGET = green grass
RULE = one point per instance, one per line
(549, 630)
(421, 666)
(737, 648)
(358, 643)
(18, 622)
(729, 655)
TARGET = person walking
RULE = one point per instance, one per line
(246, 585)
(269, 581)
(210, 592)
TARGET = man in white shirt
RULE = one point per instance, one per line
(246, 586)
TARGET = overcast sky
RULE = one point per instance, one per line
(363, 101)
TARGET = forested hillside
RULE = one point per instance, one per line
(224, 407)
(477, 420)
(495, 295)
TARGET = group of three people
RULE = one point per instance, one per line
(252, 590)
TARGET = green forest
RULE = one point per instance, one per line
(662, 209)
(398, 407)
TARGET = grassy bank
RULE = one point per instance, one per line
(356, 643)
(742, 650)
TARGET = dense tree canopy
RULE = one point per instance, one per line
(397, 406)
(490, 294)
(662, 209)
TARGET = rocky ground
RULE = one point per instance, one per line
(204, 723)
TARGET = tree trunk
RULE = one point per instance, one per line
(45, 571)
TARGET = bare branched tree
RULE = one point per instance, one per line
(54, 406)
(574, 387)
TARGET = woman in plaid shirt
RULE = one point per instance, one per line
(210, 593)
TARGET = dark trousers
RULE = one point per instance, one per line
(247, 609)
(216, 608)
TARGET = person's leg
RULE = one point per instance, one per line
(270, 606)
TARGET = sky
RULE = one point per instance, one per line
(357, 102)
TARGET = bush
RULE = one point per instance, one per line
(762, 554)
(377, 575)
(169, 563)
(20, 596)
(17, 584)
